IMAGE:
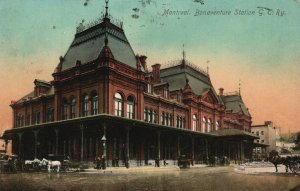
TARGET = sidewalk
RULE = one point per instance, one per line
(259, 168)
(138, 169)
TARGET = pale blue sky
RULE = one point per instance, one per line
(50, 25)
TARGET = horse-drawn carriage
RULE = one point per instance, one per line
(290, 162)
(184, 162)
(66, 163)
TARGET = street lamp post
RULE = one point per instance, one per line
(103, 139)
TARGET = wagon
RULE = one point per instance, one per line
(7, 164)
(62, 159)
(295, 164)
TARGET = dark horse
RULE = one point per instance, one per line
(281, 160)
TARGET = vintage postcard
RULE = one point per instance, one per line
(149, 95)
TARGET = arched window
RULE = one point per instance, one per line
(194, 123)
(72, 108)
(180, 122)
(145, 114)
(170, 120)
(154, 117)
(49, 114)
(28, 119)
(177, 121)
(94, 104)
(149, 88)
(150, 115)
(162, 118)
(19, 120)
(38, 117)
(130, 107)
(64, 109)
(204, 125)
(118, 105)
(217, 126)
(167, 119)
(85, 111)
(208, 125)
(165, 92)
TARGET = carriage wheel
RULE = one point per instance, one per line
(297, 168)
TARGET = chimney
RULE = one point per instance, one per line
(143, 61)
(269, 123)
(155, 72)
(221, 91)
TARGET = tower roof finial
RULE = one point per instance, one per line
(239, 86)
(207, 67)
(106, 7)
(183, 52)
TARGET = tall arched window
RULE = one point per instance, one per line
(177, 121)
(38, 117)
(154, 116)
(180, 121)
(94, 104)
(167, 119)
(163, 118)
(217, 126)
(204, 125)
(194, 123)
(118, 104)
(72, 108)
(19, 120)
(208, 125)
(28, 119)
(64, 109)
(150, 115)
(49, 114)
(85, 111)
(130, 107)
(145, 114)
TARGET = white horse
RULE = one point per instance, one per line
(32, 163)
(51, 164)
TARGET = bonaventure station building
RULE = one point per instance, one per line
(104, 101)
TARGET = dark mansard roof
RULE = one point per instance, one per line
(88, 43)
(31, 95)
(178, 74)
(235, 104)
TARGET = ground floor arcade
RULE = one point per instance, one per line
(123, 141)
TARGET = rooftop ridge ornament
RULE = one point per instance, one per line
(234, 93)
(82, 27)
(173, 63)
(106, 7)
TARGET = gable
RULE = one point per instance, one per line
(209, 97)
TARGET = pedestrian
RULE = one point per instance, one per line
(157, 162)
(117, 162)
(165, 162)
(98, 161)
(103, 162)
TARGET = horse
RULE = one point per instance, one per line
(32, 163)
(50, 164)
(281, 160)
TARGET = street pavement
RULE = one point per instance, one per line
(170, 178)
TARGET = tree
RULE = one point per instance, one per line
(297, 141)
